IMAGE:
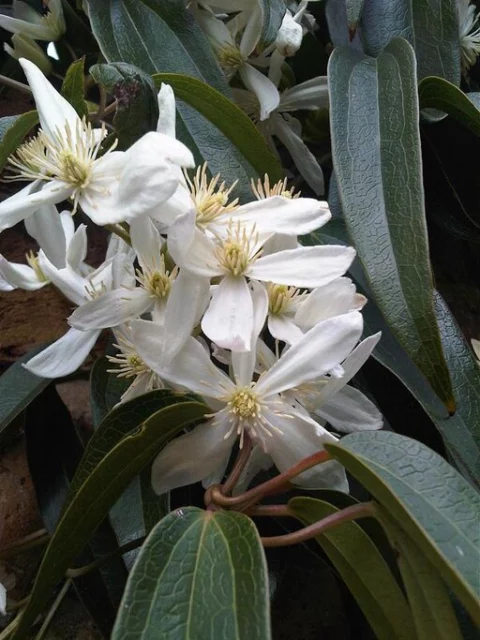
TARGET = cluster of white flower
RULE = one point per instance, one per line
(204, 285)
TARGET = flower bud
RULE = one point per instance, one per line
(289, 38)
(25, 47)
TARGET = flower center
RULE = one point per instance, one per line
(262, 190)
(238, 251)
(32, 260)
(230, 58)
(209, 197)
(157, 282)
(130, 364)
(243, 404)
(280, 297)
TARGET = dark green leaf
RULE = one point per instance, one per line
(427, 498)
(377, 160)
(18, 387)
(354, 12)
(273, 12)
(105, 390)
(13, 130)
(73, 87)
(429, 600)
(363, 569)
(97, 495)
(134, 91)
(438, 93)
(431, 26)
(164, 37)
(200, 574)
(227, 117)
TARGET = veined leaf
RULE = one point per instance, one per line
(431, 27)
(200, 574)
(438, 93)
(377, 160)
(97, 495)
(354, 12)
(164, 37)
(227, 117)
(427, 498)
(429, 600)
(134, 91)
(73, 87)
(363, 569)
(13, 130)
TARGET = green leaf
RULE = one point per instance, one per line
(106, 390)
(164, 37)
(363, 569)
(96, 496)
(134, 91)
(18, 387)
(354, 12)
(438, 93)
(228, 118)
(427, 498)
(73, 87)
(273, 12)
(200, 574)
(377, 160)
(429, 600)
(13, 130)
(431, 27)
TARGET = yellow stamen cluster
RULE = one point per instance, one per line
(209, 197)
(130, 363)
(262, 190)
(157, 282)
(244, 404)
(280, 297)
(32, 260)
(230, 58)
(237, 252)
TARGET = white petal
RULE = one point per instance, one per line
(349, 410)
(215, 29)
(262, 87)
(280, 242)
(69, 282)
(20, 276)
(320, 349)
(333, 299)
(191, 457)
(275, 69)
(177, 205)
(228, 320)
(197, 256)
(252, 32)
(303, 158)
(288, 216)
(186, 304)
(289, 37)
(35, 31)
(243, 363)
(166, 110)
(305, 267)
(181, 235)
(63, 356)
(45, 225)
(283, 328)
(147, 243)
(28, 200)
(111, 309)
(312, 94)
(77, 248)
(300, 437)
(54, 111)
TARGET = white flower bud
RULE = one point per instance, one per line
(289, 38)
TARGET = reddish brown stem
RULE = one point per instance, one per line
(270, 510)
(275, 485)
(239, 466)
(356, 511)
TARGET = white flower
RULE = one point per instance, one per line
(62, 162)
(309, 95)
(58, 241)
(236, 256)
(26, 21)
(25, 47)
(469, 33)
(286, 433)
(66, 354)
(235, 58)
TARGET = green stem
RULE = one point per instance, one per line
(53, 609)
(120, 231)
(356, 511)
(14, 84)
(7, 632)
(81, 571)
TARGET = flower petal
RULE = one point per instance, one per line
(77, 247)
(68, 281)
(20, 276)
(262, 87)
(63, 356)
(192, 457)
(198, 255)
(333, 299)
(35, 31)
(304, 267)
(166, 110)
(111, 309)
(319, 351)
(297, 438)
(288, 216)
(252, 32)
(54, 112)
(311, 94)
(147, 243)
(349, 410)
(30, 199)
(45, 225)
(228, 320)
(283, 328)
